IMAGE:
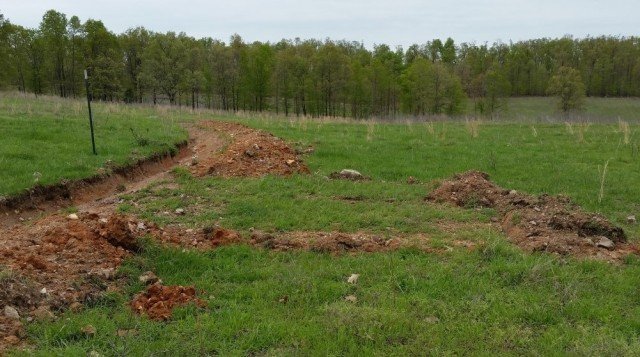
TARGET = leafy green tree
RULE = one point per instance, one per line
(133, 44)
(54, 39)
(491, 90)
(103, 59)
(568, 87)
(164, 63)
(431, 89)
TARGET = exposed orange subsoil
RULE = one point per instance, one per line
(538, 223)
(158, 301)
(250, 153)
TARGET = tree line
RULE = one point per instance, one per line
(304, 77)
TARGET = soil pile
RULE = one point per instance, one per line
(543, 223)
(61, 261)
(205, 238)
(251, 153)
(158, 301)
(339, 242)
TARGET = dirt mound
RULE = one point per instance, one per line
(158, 301)
(61, 261)
(542, 223)
(204, 238)
(251, 153)
(340, 242)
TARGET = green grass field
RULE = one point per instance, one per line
(491, 300)
(47, 140)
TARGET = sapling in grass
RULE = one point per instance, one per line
(371, 127)
(473, 127)
(603, 175)
(625, 129)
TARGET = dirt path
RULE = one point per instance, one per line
(52, 260)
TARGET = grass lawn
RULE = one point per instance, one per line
(47, 140)
(488, 300)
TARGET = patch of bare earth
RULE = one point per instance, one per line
(538, 223)
(158, 301)
(340, 242)
(251, 153)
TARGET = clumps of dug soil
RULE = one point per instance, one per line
(543, 223)
(158, 301)
(251, 153)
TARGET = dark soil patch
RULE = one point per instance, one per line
(158, 301)
(251, 153)
(543, 223)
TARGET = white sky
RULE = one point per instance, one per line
(398, 22)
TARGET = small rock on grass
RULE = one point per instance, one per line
(631, 219)
(349, 173)
(432, 319)
(179, 211)
(148, 278)
(351, 298)
(11, 312)
(353, 279)
(89, 330)
(606, 243)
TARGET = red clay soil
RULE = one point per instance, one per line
(59, 262)
(158, 301)
(250, 153)
(204, 238)
(340, 243)
(543, 223)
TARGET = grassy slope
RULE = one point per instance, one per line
(50, 136)
(494, 299)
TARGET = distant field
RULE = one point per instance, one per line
(595, 109)
(46, 140)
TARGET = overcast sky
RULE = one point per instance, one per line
(398, 22)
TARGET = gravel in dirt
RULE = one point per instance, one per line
(538, 223)
(250, 153)
(158, 301)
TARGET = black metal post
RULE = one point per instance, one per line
(86, 83)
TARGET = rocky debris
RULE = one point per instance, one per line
(148, 278)
(179, 211)
(537, 223)
(11, 313)
(122, 232)
(606, 243)
(73, 216)
(348, 174)
(251, 153)
(158, 301)
(59, 263)
(353, 278)
(43, 313)
(631, 219)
